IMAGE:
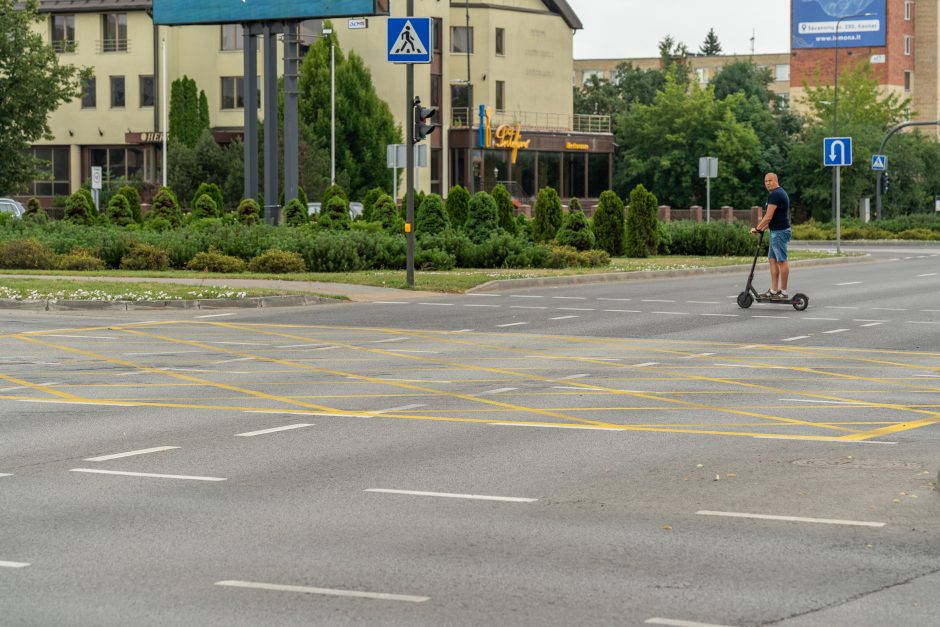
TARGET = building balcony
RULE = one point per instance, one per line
(536, 121)
(62, 46)
(112, 45)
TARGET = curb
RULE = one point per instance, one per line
(254, 302)
(607, 277)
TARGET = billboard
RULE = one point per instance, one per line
(179, 12)
(814, 23)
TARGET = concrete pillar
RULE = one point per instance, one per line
(664, 212)
(756, 214)
(695, 213)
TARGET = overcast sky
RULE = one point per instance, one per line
(633, 28)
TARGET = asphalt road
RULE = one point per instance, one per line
(628, 453)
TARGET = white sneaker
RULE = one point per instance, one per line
(781, 295)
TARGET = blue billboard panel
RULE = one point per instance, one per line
(861, 23)
(179, 12)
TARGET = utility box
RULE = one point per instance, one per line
(864, 209)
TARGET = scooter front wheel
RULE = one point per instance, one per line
(745, 300)
(800, 301)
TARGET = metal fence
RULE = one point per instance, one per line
(538, 121)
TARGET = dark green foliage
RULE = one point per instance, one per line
(35, 212)
(483, 220)
(249, 212)
(713, 238)
(458, 206)
(28, 254)
(548, 215)
(505, 209)
(569, 257)
(524, 227)
(143, 256)
(642, 224)
(278, 262)
(32, 205)
(119, 211)
(575, 230)
(204, 207)
(334, 214)
(78, 209)
(133, 200)
(189, 112)
(386, 213)
(331, 191)
(80, 261)
(212, 191)
(206, 162)
(302, 196)
(609, 224)
(165, 206)
(214, 261)
(431, 217)
(369, 200)
(427, 260)
(295, 213)
(711, 46)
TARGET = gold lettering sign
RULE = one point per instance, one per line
(510, 137)
(574, 146)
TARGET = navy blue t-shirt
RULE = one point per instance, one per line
(781, 219)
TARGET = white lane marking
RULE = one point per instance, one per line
(679, 623)
(323, 348)
(865, 320)
(573, 309)
(569, 297)
(160, 354)
(774, 317)
(828, 440)
(241, 343)
(460, 331)
(51, 402)
(143, 451)
(888, 309)
(795, 338)
(497, 391)
(386, 341)
(5, 564)
(418, 380)
(401, 408)
(184, 370)
(933, 376)
(873, 324)
(849, 283)
(920, 276)
(573, 376)
(703, 302)
(906, 258)
(484, 295)
(824, 521)
(564, 317)
(448, 495)
(6, 474)
(402, 350)
(653, 300)
(921, 322)
(749, 346)
(144, 474)
(623, 311)
(437, 304)
(390, 302)
(216, 315)
(86, 337)
(619, 300)
(491, 306)
(382, 596)
(300, 345)
(229, 361)
(836, 331)
(524, 296)
(803, 400)
(721, 315)
(249, 434)
(672, 313)
(569, 387)
(930, 310)
(576, 427)
(526, 307)
(511, 324)
(645, 364)
(31, 387)
(824, 319)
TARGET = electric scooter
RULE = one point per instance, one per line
(749, 295)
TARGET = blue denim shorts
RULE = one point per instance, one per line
(778, 245)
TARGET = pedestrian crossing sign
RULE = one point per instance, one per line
(879, 163)
(409, 40)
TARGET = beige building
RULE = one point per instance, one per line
(520, 63)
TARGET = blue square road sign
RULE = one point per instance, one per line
(409, 40)
(879, 163)
(837, 151)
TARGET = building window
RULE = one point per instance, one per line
(437, 37)
(233, 37)
(117, 92)
(146, 91)
(907, 10)
(461, 98)
(232, 92)
(89, 93)
(500, 95)
(907, 44)
(782, 72)
(500, 42)
(702, 74)
(461, 39)
(63, 33)
(53, 179)
(587, 75)
(114, 32)
(118, 163)
(908, 80)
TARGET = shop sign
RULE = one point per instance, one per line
(575, 146)
(507, 136)
(149, 137)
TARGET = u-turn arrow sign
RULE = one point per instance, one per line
(837, 151)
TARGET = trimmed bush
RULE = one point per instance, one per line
(34, 212)
(214, 261)
(505, 209)
(331, 191)
(709, 239)
(249, 212)
(204, 207)
(212, 191)
(431, 216)
(295, 213)
(642, 223)
(165, 206)
(575, 230)
(89, 201)
(277, 262)
(81, 260)
(334, 214)
(79, 210)
(434, 259)
(119, 211)
(369, 200)
(143, 256)
(386, 213)
(548, 215)
(483, 220)
(26, 254)
(458, 206)
(609, 224)
(808, 230)
(133, 200)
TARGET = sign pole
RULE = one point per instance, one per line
(410, 164)
(708, 200)
(838, 208)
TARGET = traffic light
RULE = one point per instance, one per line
(422, 124)
(884, 182)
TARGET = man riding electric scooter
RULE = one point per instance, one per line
(777, 218)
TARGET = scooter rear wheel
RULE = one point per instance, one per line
(745, 300)
(800, 301)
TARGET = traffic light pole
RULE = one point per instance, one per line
(410, 165)
(881, 151)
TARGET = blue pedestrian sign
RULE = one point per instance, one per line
(837, 151)
(879, 163)
(409, 40)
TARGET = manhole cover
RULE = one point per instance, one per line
(858, 463)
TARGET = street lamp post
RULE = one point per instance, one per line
(329, 31)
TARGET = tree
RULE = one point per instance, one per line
(483, 220)
(204, 207)
(334, 214)
(431, 218)
(674, 54)
(32, 85)
(295, 213)
(119, 211)
(642, 223)
(189, 112)
(79, 210)
(364, 123)
(711, 47)
(133, 200)
(575, 229)
(248, 212)
(630, 85)
(609, 223)
(212, 191)
(165, 207)
(505, 208)
(457, 205)
(386, 213)
(548, 216)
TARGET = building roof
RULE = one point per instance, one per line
(562, 8)
(86, 6)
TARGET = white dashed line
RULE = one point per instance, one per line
(775, 317)
(386, 341)
(873, 324)
(866, 320)
(564, 317)
(835, 331)
(930, 310)
(383, 596)
(390, 302)
(714, 315)
(573, 309)
(498, 391)
(793, 339)
(849, 283)
(920, 276)
(825, 521)
(5, 564)
(228, 361)
(619, 300)
(672, 622)
(144, 451)
(922, 322)
(526, 307)
(656, 301)
(837, 307)
(299, 345)
(250, 434)
(672, 313)
(223, 315)
(888, 309)
(10, 474)
(144, 474)
(645, 364)
(803, 400)
(437, 304)
(572, 376)
(569, 297)
(402, 408)
(824, 319)
(490, 306)
(511, 324)
(623, 311)
(448, 495)
(524, 296)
